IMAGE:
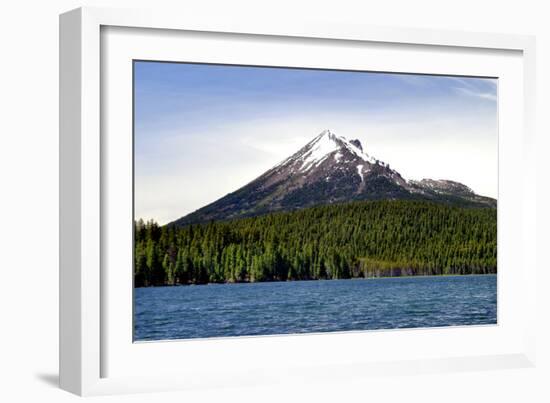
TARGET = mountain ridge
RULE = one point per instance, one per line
(329, 169)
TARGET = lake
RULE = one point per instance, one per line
(220, 310)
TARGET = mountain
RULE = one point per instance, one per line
(329, 169)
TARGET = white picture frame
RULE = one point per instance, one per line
(94, 342)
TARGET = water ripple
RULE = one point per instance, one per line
(313, 306)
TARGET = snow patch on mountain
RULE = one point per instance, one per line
(360, 171)
(327, 143)
(320, 148)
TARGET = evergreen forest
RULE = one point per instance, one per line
(338, 241)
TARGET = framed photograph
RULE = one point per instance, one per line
(242, 202)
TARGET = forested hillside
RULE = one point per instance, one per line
(358, 239)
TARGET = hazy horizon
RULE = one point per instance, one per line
(202, 131)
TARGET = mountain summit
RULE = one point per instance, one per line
(329, 169)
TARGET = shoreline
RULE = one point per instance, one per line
(311, 280)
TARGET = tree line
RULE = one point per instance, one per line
(358, 239)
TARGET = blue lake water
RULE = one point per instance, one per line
(220, 310)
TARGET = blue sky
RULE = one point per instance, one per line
(202, 131)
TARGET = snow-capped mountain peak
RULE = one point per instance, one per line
(323, 146)
(319, 149)
(329, 169)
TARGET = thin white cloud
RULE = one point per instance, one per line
(462, 81)
(480, 88)
(474, 93)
